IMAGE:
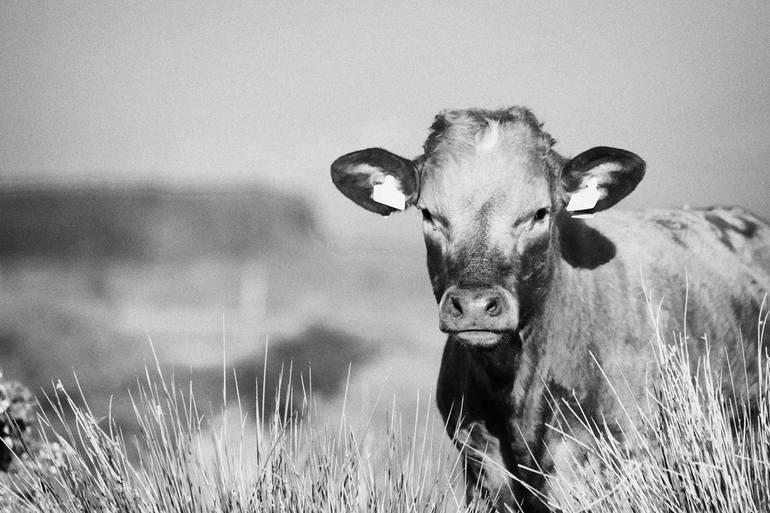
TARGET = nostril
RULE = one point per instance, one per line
(457, 309)
(493, 307)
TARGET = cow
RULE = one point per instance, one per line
(544, 289)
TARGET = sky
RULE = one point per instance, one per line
(263, 92)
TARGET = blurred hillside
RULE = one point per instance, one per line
(88, 275)
(147, 224)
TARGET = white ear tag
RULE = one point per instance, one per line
(387, 193)
(585, 199)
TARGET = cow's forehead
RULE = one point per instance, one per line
(482, 159)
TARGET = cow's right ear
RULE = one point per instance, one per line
(376, 179)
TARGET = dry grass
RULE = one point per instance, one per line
(694, 450)
(699, 447)
(288, 460)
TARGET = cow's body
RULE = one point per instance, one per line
(533, 297)
(598, 308)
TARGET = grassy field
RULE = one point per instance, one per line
(293, 457)
(319, 306)
(350, 425)
(695, 451)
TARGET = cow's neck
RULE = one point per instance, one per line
(557, 362)
(543, 363)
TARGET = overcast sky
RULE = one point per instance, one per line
(272, 92)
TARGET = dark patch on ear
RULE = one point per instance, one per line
(583, 246)
(724, 227)
(620, 183)
(358, 185)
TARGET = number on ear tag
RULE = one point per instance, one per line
(387, 193)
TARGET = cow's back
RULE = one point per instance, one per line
(730, 232)
(721, 248)
(724, 247)
(703, 274)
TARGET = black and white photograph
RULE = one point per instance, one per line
(357, 256)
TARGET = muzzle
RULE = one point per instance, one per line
(485, 309)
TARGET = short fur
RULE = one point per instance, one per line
(580, 286)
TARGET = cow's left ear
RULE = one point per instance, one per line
(600, 177)
(376, 179)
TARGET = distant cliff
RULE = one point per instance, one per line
(148, 224)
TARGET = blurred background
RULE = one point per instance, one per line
(164, 168)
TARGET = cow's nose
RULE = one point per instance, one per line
(489, 309)
(460, 304)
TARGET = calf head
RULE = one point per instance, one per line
(493, 196)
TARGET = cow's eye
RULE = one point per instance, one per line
(426, 216)
(540, 214)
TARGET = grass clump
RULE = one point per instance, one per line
(699, 444)
(16, 419)
(693, 446)
(285, 460)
